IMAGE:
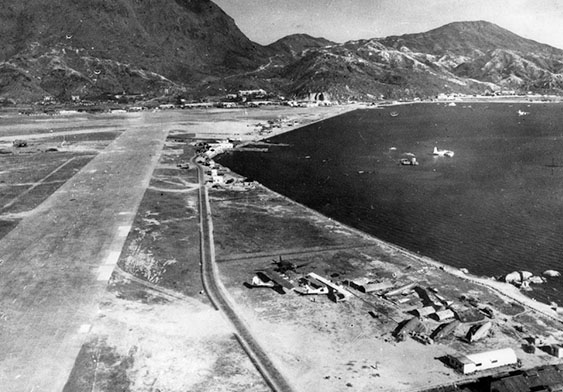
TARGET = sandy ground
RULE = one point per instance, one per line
(350, 352)
(244, 119)
(151, 329)
(56, 259)
(244, 124)
(322, 345)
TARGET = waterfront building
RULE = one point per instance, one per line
(472, 363)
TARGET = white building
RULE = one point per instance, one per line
(556, 350)
(217, 178)
(245, 93)
(472, 363)
(219, 148)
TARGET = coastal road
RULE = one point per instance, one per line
(221, 300)
(55, 264)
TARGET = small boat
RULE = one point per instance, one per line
(408, 161)
(394, 114)
(442, 153)
(552, 273)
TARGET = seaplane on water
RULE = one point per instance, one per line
(442, 153)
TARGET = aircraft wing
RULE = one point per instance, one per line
(278, 279)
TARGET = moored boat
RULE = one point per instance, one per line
(408, 161)
(442, 153)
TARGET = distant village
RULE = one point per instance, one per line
(256, 98)
(123, 103)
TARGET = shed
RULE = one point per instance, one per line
(218, 179)
(386, 284)
(556, 350)
(547, 378)
(478, 331)
(403, 289)
(410, 326)
(359, 284)
(472, 363)
(443, 315)
(427, 310)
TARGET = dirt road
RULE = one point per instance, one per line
(218, 295)
(55, 264)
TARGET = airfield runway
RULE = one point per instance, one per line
(55, 264)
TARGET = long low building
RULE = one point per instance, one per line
(472, 363)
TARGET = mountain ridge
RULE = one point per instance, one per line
(192, 49)
(184, 41)
(294, 45)
(462, 36)
(460, 57)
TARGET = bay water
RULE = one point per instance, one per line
(495, 207)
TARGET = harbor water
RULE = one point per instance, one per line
(495, 207)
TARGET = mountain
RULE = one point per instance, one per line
(461, 57)
(295, 45)
(192, 49)
(67, 47)
(467, 38)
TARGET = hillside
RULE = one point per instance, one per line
(461, 57)
(192, 49)
(467, 38)
(293, 46)
(102, 46)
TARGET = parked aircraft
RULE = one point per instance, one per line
(283, 266)
(272, 279)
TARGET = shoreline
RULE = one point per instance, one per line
(343, 110)
(503, 289)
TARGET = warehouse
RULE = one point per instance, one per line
(482, 361)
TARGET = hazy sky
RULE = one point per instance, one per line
(265, 21)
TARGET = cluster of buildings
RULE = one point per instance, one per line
(216, 174)
(259, 97)
(432, 317)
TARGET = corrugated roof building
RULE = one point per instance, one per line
(428, 310)
(442, 315)
(472, 363)
(549, 378)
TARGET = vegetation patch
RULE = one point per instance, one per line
(163, 247)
